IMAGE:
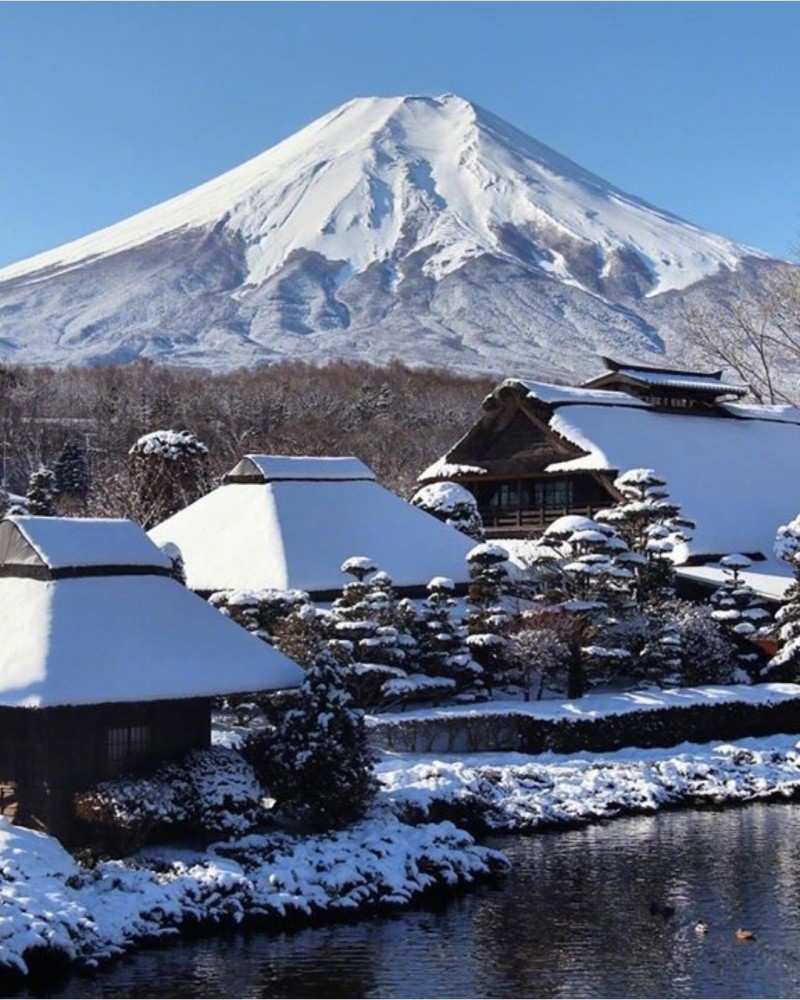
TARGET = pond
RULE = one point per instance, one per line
(573, 920)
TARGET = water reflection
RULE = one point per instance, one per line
(573, 920)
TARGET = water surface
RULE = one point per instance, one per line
(572, 920)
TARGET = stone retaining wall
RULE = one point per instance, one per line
(659, 727)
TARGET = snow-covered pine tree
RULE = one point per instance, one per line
(376, 654)
(486, 619)
(652, 526)
(41, 496)
(741, 614)
(785, 664)
(443, 649)
(581, 567)
(453, 504)
(395, 641)
(317, 763)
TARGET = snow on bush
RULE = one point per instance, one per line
(417, 687)
(529, 793)
(213, 792)
(174, 446)
(48, 902)
(453, 504)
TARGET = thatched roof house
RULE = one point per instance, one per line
(290, 523)
(540, 451)
(106, 661)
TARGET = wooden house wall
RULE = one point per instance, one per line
(514, 445)
(46, 755)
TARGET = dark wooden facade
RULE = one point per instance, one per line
(513, 443)
(503, 458)
(49, 754)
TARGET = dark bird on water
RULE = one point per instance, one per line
(744, 935)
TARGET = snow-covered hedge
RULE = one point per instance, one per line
(212, 792)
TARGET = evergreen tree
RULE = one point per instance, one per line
(443, 645)
(581, 568)
(741, 613)
(785, 664)
(375, 654)
(486, 619)
(317, 763)
(72, 471)
(41, 496)
(453, 504)
(652, 526)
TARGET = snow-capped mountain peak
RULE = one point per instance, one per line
(368, 201)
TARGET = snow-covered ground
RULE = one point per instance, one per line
(599, 705)
(519, 792)
(88, 916)
(85, 916)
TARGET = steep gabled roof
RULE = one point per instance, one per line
(295, 522)
(136, 634)
(60, 546)
(737, 475)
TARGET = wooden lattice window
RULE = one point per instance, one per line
(126, 747)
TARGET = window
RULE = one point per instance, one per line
(505, 495)
(127, 746)
(551, 493)
(532, 494)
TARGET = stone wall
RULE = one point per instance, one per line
(654, 727)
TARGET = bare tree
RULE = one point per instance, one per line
(754, 330)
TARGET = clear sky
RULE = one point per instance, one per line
(107, 109)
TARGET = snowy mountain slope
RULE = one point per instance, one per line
(412, 227)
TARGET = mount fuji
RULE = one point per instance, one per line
(423, 229)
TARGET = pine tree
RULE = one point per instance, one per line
(785, 664)
(652, 526)
(72, 471)
(317, 764)
(741, 614)
(443, 648)
(375, 654)
(581, 567)
(41, 496)
(486, 619)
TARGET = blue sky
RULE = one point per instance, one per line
(107, 109)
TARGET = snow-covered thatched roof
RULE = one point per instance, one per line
(292, 522)
(706, 383)
(737, 477)
(58, 545)
(118, 629)
(287, 468)
(734, 470)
